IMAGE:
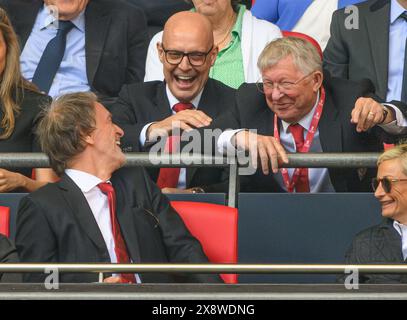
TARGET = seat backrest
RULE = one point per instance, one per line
(305, 37)
(215, 226)
(5, 221)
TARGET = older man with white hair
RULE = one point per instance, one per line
(297, 108)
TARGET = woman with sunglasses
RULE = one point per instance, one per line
(386, 243)
(238, 35)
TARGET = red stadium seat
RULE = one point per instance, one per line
(5, 221)
(305, 37)
(215, 226)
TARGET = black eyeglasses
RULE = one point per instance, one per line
(195, 58)
(386, 183)
(284, 86)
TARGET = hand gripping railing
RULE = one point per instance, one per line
(296, 160)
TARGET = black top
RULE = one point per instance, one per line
(23, 139)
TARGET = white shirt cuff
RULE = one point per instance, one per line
(143, 133)
(225, 145)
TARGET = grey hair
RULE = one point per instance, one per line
(64, 126)
(305, 56)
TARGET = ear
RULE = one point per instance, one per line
(318, 77)
(213, 55)
(90, 139)
(160, 52)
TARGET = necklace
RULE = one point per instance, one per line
(227, 32)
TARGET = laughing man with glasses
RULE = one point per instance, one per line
(186, 99)
(386, 243)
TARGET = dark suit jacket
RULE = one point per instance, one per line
(380, 244)
(142, 103)
(56, 224)
(8, 254)
(336, 132)
(116, 40)
(361, 53)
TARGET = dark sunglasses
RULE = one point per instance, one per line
(386, 183)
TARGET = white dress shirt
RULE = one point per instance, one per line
(402, 230)
(143, 134)
(99, 205)
(71, 75)
(397, 49)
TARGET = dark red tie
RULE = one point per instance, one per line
(168, 177)
(297, 131)
(119, 245)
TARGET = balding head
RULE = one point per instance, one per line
(187, 33)
(189, 24)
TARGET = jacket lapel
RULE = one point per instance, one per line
(378, 35)
(81, 210)
(125, 217)
(161, 102)
(330, 129)
(208, 105)
(97, 22)
(390, 244)
(208, 102)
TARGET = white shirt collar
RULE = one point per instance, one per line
(85, 181)
(395, 10)
(401, 228)
(47, 19)
(173, 101)
(305, 122)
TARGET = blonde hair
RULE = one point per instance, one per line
(398, 152)
(305, 56)
(12, 82)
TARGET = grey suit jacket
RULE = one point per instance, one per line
(362, 53)
(380, 244)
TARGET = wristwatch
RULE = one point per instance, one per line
(385, 113)
(197, 190)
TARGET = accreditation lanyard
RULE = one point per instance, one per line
(290, 185)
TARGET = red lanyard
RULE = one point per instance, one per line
(290, 185)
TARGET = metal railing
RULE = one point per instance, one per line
(144, 159)
(203, 268)
(296, 160)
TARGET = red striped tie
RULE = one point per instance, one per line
(297, 131)
(168, 177)
(119, 245)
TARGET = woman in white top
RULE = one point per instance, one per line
(312, 17)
